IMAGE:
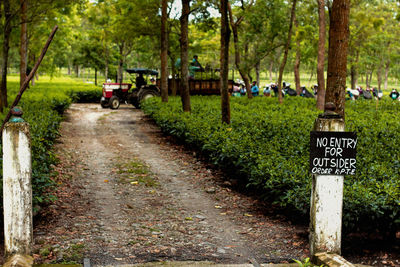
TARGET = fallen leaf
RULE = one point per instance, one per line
(106, 181)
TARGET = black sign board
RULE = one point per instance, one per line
(333, 153)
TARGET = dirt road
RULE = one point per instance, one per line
(129, 195)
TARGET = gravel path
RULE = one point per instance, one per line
(130, 195)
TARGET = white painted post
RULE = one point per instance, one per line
(17, 188)
(326, 198)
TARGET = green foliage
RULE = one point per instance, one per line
(43, 106)
(268, 145)
(86, 96)
(305, 263)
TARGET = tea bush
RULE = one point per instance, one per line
(43, 106)
(267, 144)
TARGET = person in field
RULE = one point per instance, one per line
(394, 94)
(254, 89)
(267, 91)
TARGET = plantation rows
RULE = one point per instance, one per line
(267, 146)
(43, 106)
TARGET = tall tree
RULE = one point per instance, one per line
(225, 36)
(337, 55)
(364, 26)
(235, 25)
(8, 16)
(283, 63)
(184, 43)
(297, 61)
(164, 51)
(23, 42)
(321, 55)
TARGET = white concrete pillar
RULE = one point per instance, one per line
(326, 199)
(17, 189)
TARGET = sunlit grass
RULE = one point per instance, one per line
(48, 87)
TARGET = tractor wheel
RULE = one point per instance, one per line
(114, 102)
(146, 93)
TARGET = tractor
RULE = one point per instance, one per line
(115, 93)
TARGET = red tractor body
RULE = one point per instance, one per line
(115, 93)
(108, 88)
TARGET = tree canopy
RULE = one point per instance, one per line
(110, 35)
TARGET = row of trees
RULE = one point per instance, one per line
(25, 25)
(99, 35)
(338, 46)
(108, 35)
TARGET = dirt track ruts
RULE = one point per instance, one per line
(187, 212)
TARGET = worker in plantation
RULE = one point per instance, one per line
(140, 81)
(242, 89)
(236, 88)
(194, 67)
(196, 63)
(274, 88)
(394, 94)
(267, 91)
(254, 89)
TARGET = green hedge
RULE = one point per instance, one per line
(43, 106)
(268, 145)
(85, 96)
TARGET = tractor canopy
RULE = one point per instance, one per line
(142, 71)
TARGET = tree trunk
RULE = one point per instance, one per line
(387, 65)
(321, 56)
(184, 43)
(174, 83)
(225, 36)
(370, 79)
(258, 73)
(83, 73)
(106, 64)
(6, 47)
(242, 72)
(95, 76)
(297, 63)
(283, 63)
(366, 80)
(270, 70)
(353, 75)
(23, 51)
(379, 75)
(164, 51)
(121, 62)
(337, 57)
